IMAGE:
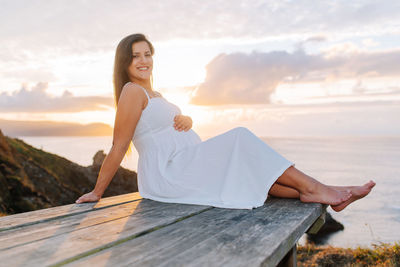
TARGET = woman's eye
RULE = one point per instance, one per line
(148, 55)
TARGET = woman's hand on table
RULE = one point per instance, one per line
(182, 123)
(88, 197)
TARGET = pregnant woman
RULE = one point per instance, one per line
(233, 170)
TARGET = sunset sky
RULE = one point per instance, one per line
(280, 68)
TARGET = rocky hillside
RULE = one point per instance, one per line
(32, 179)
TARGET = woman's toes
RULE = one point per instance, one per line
(371, 184)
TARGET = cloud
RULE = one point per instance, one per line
(37, 35)
(313, 39)
(327, 119)
(29, 75)
(241, 78)
(81, 26)
(36, 99)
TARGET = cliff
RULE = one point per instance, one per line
(32, 179)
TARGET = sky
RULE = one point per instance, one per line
(280, 68)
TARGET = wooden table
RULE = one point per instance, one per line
(127, 230)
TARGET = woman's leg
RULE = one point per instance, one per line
(310, 190)
(278, 190)
(281, 190)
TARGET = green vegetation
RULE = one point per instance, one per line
(379, 255)
(54, 164)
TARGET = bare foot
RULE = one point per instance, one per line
(323, 194)
(357, 192)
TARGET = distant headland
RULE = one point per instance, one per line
(51, 128)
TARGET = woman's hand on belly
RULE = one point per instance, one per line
(182, 123)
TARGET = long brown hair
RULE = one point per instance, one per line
(123, 58)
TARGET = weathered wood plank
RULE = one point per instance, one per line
(217, 237)
(316, 226)
(86, 240)
(37, 216)
(23, 235)
(290, 259)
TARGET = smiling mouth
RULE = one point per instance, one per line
(143, 68)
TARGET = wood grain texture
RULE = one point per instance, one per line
(130, 231)
(83, 236)
(61, 225)
(37, 216)
(217, 237)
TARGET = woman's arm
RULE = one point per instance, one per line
(129, 110)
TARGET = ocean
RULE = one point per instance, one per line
(332, 160)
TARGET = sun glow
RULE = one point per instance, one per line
(181, 99)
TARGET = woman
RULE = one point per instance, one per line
(232, 170)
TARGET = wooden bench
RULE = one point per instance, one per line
(127, 230)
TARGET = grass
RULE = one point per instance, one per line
(52, 163)
(379, 255)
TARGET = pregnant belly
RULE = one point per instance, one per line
(167, 142)
(172, 141)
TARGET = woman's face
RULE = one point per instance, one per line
(141, 66)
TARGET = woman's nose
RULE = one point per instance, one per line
(143, 59)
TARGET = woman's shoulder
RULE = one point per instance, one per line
(129, 86)
(132, 90)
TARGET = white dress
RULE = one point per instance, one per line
(232, 170)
